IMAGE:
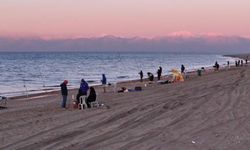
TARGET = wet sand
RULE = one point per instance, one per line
(210, 112)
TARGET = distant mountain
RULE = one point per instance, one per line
(178, 43)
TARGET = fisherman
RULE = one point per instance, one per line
(216, 65)
(141, 75)
(64, 92)
(159, 72)
(182, 68)
(104, 82)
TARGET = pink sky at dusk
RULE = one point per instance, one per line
(145, 18)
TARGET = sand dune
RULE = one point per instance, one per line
(205, 113)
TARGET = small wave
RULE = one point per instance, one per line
(51, 86)
(28, 80)
(122, 77)
(91, 81)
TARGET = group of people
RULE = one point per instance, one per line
(83, 91)
(84, 87)
(151, 75)
(159, 73)
(239, 63)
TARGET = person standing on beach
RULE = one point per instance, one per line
(159, 72)
(141, 75)
(160, 69)
(182, 68)
(64, 92)
(104, 82)
(216, 65)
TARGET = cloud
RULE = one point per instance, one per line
(181, 42)
(211, 34)
(183, 34)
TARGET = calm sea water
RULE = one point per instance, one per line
(41, 71)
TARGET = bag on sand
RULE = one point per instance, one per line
(138, 88)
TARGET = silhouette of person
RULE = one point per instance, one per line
(150, 76)
(64, 92)
(91, 97)
(182, 68)
(159, 72)
(141, 75)
(216, 65)
(104, 82)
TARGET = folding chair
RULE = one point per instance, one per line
(82, 104)
(95, 103)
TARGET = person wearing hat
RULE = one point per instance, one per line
(64, 92)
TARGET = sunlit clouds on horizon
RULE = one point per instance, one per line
(123, 18)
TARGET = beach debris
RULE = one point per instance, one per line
(193, 142)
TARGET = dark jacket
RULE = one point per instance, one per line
(64, 89)
(141, 74)
(150, 76)
(92, 95)
(80, 93)
(84, 87)
(182, 68)
(104, 79)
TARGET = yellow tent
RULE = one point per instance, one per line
(177, 75)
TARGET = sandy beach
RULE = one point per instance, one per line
(208, 112)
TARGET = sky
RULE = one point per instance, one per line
(124, 18)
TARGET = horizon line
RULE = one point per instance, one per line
(180, 34)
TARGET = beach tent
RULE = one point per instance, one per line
(177, 75)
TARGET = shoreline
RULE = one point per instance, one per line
(240, 56)
(31, 87)
(190, 72)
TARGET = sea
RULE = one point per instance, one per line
(24, 73)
